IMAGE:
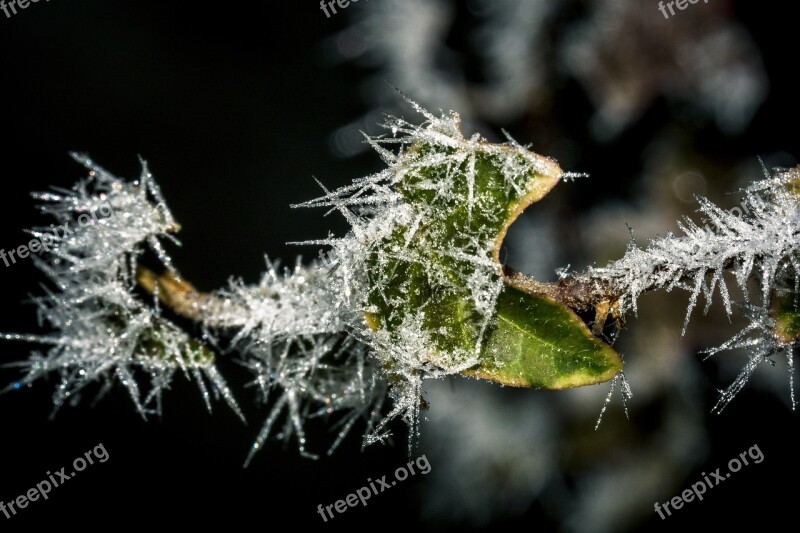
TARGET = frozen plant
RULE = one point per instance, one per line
(103, 331)
(415, 290)
(760, 247)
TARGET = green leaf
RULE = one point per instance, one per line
(435, 272)
(541, 343)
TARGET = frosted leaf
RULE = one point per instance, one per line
(420, 272)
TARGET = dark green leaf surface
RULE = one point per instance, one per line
(427, 274)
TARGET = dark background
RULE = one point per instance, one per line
(232, 106)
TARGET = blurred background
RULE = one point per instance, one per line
(237, 107)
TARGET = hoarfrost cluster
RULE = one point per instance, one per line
(760, 247)
(318, 337)
(301, 331)
(103, 332)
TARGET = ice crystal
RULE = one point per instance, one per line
(765, 241)
(762, 343)
(759, 244)
(625, 392)
(294, 336)
(102, 332)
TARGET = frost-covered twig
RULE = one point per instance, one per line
(415, 290)
(762, 245)
(295, 339)
(765, 240)
(103, 331)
